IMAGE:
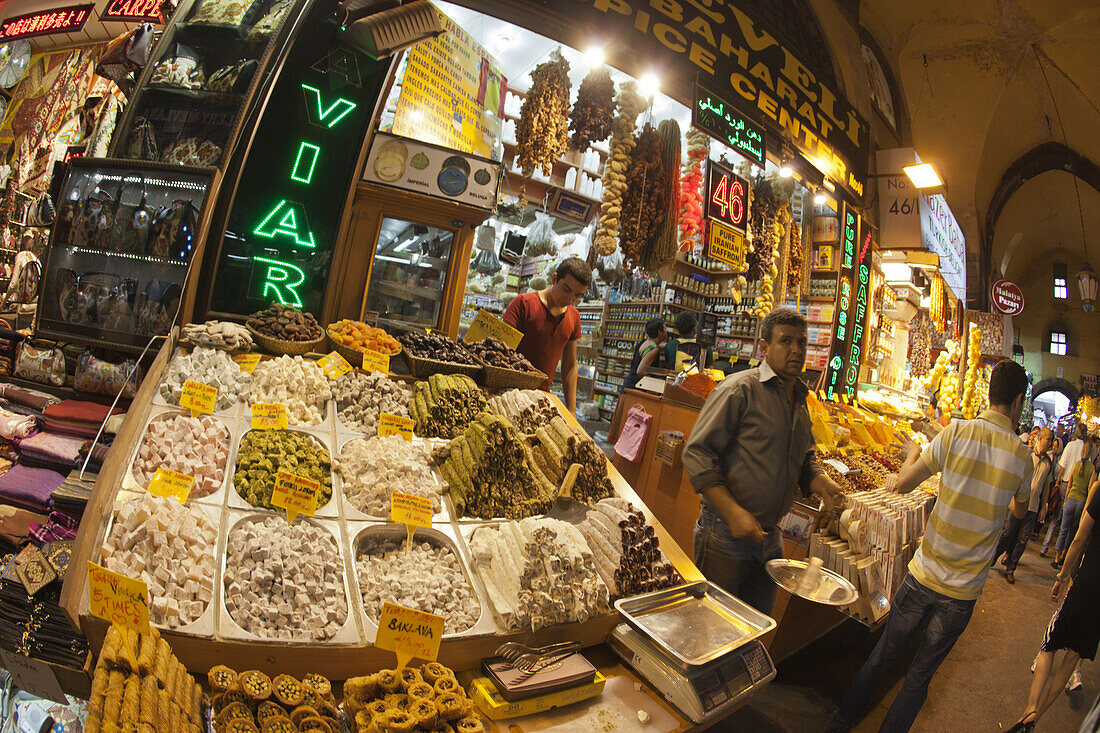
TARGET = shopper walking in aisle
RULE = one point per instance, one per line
(750, 450)
(1077, 491)
(551, 325)
(648, 353)
(985, 470)
(1017, 532)
(1075, 626)
(1071, 454)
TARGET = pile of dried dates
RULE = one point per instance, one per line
(434, 346)
(495, 352)
(287, 323)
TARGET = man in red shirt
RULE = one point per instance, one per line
(551, 325)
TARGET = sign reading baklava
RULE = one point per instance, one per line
(432, 171)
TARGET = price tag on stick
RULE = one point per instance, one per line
(333, 365)
(199, 398)
(269, 417)
(395, 425)
(486, 324)
(296, 494)
(116, 598)
(247, 362)
(171, 483)
(409, 633)
(412, 511)
(374, 361)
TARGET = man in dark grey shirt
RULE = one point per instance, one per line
(750, 449)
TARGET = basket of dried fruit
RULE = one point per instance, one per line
(283, 329)
(351, 338)
(505, 368)
(432, 353)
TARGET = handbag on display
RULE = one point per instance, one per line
(41, 212)
(224, 12)
(631, 442)
(142, 142)
(119, 313)
(172, 235)
(126, 54)
(97, 289)
(267, 25)
(155, 309)
(194, 152)
(41, 362)
(106, 378)
(181, 67)
(233, 79)
(130, 228)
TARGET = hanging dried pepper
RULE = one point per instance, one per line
(762, 214)
(594, 110)
(629, 104)
(661, 248)
(543, 130)
(644, 201)
(794, 256)
(691, 189)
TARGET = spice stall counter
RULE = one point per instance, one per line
(350, 651)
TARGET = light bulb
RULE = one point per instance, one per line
(785, 171)
(649, 85)
(594, 56)
(819, 198)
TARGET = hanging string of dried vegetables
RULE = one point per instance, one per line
(691, 189)
(661, 248)
(762, 213)
(644, 202)
(594, 110)
(765, 301)
(543, 130)
(795, 256)
(628, 105)
(937, 309)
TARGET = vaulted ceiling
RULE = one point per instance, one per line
(972, 78)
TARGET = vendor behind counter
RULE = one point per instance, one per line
(685, 348)
(647, 354)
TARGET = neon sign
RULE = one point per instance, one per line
(58, 20)
(842, 373)
(727, 124)
(140, 10)
(727, 196)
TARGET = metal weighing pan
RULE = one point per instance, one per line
(694, 623)
(830, 588)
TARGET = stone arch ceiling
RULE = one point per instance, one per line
(980, 103)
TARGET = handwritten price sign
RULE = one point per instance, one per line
(409, 633)
(375, 361)
(486, 324)
(333, 365)
(118, 599)
(414, 511)
(199, 398)
(247, 362)
(395, 425)
(269, 417)
(171, 483)
(296, 494)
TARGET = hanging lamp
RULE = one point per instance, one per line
(1086, 283)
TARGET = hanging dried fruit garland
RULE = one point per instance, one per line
(795, 257)
(765, 301)
(691, 189)
(937, 309)
(543, 130)
(645, 204)
(762, 214)
(594, 110)
(661, 248)
(628, 105)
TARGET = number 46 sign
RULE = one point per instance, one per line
(727, 198)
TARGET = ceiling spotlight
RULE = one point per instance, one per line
(594, 56)
(649, 85)
(923, 175)
(819, 198)
(785, 171)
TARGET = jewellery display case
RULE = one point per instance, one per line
(125, 236)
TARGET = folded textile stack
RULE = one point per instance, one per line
(9, 341)
(31, 399)
(76, 417)
(14, 426)
(31, 619)
(16, 524)
(74, 493)
(51, 450)
(29, 487)
(99, 455)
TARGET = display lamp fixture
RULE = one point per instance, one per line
(785, 171)
(649, 85)
(1086, 283)
(923, 175)
(820, 198)
(595, 56)
(897, 272)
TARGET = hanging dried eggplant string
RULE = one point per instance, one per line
(661, 248)
(595, 109)
(644, 203)
(628, 105)
(542, 134)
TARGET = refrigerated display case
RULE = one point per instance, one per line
(120, 250)
(410, 271)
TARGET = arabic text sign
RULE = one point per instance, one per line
(727, 124)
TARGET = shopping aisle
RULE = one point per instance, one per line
(982, 686)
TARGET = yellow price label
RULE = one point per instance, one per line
(375, 361)
(754, 362)
(486, 324)
(118, 599)
(198, 397)
(247, 362)
(395, 425)
(409, 633)
(269, 417)
(171, 483)
(410, 510)
(333, 365)
(296, 494)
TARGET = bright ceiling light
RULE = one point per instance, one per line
(785, 171)
(819, 198)
(416, 116)
(896, 272)
(649, 85)
(923, 175)
(594, 56)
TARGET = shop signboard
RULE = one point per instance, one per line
(280, 234)
(726, 49)
(727, 196)
(842, 370)
(571, 207)
(898, 200)
(941, 234)
(450, 83)
(725, 245)
(728, 124)
(69, 19)
(132, 10)
(1088, 383)
(432, 171)
(1007, 297)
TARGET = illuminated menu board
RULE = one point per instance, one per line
(853, 293)
(56, 20)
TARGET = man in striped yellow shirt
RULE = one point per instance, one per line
(986, 471)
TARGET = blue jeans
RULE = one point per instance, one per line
(947, 617)
(737, 565)
(1054, 522)
(1014, 539)
(1071, 517)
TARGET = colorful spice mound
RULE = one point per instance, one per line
(699, 384)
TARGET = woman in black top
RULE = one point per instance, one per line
(647, 353)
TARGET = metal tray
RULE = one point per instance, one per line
(831, 589)
(694, 623)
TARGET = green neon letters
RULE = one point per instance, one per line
(305, 163)
(277, 281)
(337, 111)
(287, 219)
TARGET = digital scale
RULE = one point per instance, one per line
(698, 645)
